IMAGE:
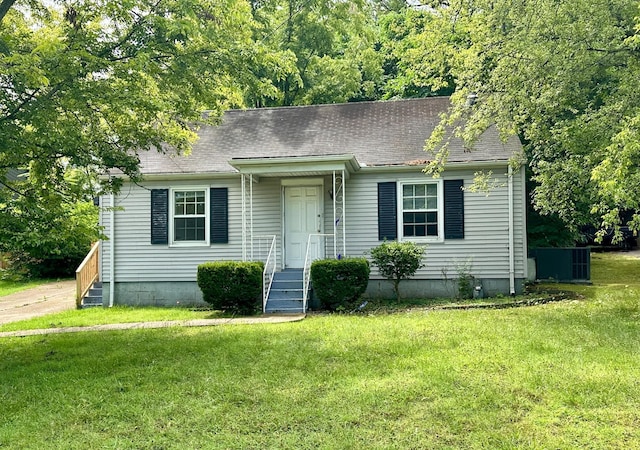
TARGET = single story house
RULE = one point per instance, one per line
(289, 185)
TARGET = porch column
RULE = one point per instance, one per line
(247, 216)
(339, 199)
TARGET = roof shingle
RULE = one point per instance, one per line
(376, 133)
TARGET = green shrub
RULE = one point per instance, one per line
(231, 285)
(49, 241)
(339, 283)
(397, 261)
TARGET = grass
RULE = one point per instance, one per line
(561, 375)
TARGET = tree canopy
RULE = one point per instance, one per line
(563, 75)
(86, 85)
(329, 45)
(89, 83)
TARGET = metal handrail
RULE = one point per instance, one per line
(87, 273)
(269, 271)
(306, 271)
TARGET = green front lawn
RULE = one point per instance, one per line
(561, 375)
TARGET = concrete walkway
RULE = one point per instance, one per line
(60, 296)
(39, 301)
(271, 318)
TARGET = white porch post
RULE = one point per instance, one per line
(243, 184)
(247, 222)
(251, 214)
(335, 219)
(339, 233)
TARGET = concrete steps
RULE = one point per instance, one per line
(93, 297)
(286, 292)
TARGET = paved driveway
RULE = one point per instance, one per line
(38, 301)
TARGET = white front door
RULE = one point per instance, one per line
(302, 217)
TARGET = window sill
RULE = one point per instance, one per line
(422, 240)
(189, 244)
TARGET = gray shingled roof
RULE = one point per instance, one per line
(376, 133)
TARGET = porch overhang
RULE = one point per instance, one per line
(296, 165)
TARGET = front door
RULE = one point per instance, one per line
(302, 217)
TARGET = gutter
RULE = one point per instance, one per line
(512, 283)
(112, 248)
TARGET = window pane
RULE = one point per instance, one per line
(189, 203)
(420, 209)
(189, 229)
(408, 218)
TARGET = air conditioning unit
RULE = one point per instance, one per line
(571, 264)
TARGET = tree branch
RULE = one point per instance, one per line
(5, 6)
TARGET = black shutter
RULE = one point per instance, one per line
(219, 220)
(159, 216)
(387, 211)
(453, 209)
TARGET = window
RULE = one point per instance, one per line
(193, 216)
(189, 208)
(420, 210)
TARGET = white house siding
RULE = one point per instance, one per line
(145, 271)
(138, 260)
(486, 216)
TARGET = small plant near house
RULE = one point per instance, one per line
(397, 261)
(339, 283)
(466, 281)
(231, 286)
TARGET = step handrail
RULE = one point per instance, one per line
(87, 273)
(268, 272)
(306, 271)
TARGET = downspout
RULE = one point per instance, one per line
(112, 249)
(512, 281)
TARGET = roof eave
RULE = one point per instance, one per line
(280, 166)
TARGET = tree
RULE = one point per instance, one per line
(397, 261)
(325, 48)
(409, 71)
(90, 84)
(563, 76)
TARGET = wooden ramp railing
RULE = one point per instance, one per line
(87, 273)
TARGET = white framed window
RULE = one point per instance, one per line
(189, 222)
(421, 210)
